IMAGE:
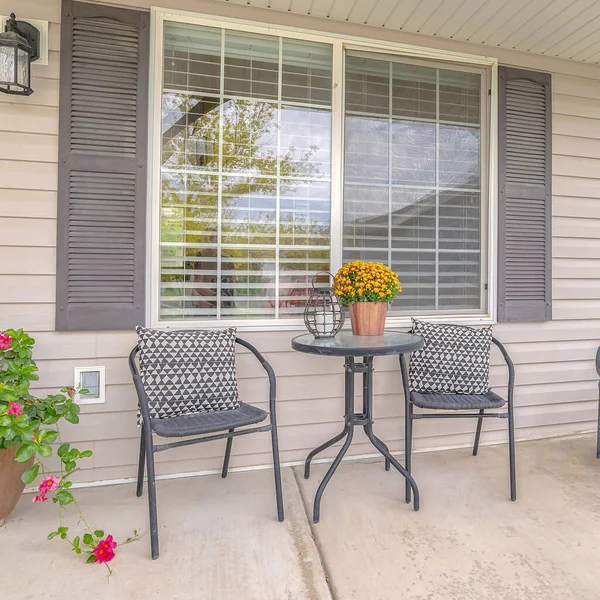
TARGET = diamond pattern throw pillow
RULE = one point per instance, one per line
(186, 372)
(454, 359)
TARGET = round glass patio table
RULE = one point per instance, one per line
(366, 347)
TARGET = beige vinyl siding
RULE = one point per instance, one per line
(556, 380)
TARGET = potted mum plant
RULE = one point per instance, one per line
(367, 288)
(28, 428)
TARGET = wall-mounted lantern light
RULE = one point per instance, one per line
(18, 49)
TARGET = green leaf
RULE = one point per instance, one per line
(99, 533)
(25, 452)
(64, 497)
(76, 542)
(88, 539)
(70, 455)
(86, 454)
(52, 535)
(63, 448)
(30, 474)
(62, 529)
(45, 451)
(70, 465)
(90, 559)
(72, 419)
(50, 436)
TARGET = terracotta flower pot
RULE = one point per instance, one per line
(368, 318)
(11, 486)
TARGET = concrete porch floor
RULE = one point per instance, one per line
(220, 539)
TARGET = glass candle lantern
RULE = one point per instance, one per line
(323, 314)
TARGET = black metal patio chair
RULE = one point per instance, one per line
(453, 405)
(232, 423)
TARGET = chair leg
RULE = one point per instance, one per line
(598, 437)
(277, 471)
(227, 455)
(140, 478)
(152, 496)
(387, 461)
(511, 453)
(478, 433)
(408, 447)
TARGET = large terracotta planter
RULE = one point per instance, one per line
(368, 318)
(11, 486)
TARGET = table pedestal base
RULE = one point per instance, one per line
(353, 419)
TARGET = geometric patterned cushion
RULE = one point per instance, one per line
(454, 359)
(186, 372)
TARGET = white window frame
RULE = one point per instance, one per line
(339, 44)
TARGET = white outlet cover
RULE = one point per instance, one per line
(77, 377)
(43, 28)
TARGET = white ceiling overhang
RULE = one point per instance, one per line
(568, 29)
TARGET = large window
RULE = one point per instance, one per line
(413, 179)
(252, 205)
(245, 180)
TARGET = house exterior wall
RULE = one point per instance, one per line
(556, 380)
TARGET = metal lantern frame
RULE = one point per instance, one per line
(323, 314)
(20, 38)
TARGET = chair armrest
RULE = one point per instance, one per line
(511, 369)
(139, 386)
(271, 374)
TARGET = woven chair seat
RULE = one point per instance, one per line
(208, 422)
(457, 401)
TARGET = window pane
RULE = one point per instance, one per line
(306, 72)
(367, 149)
(192, 59)
(367, 85)
(246, 173)
(412, 179)
(249, 135)
(251, 65)
(460, 96)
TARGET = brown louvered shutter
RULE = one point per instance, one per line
(102, 167)
(525, 198)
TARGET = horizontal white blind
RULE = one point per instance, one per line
(246, 177)
(412, 177)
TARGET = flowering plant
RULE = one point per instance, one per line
(31, 424)
(361, 281)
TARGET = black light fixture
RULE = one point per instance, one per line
(18, 49)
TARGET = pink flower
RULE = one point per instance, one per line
(71, 391)
(48, 485)
(14, 409)
(5, 341)
(105, 550)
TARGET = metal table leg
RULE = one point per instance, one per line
(353, 419)
(408, 414)
(322, 447)
(368, 427)
(348, 430)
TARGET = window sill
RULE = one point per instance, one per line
(249, 325)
